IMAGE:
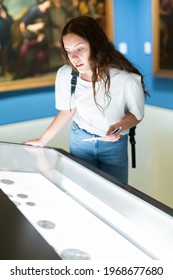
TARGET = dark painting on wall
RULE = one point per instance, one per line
(29, 38)
(163, 38)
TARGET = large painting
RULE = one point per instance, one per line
(163, 38)
(29, 38)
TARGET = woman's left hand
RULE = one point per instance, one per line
(111, 138)
(112, 135)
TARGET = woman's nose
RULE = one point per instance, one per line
(74, 55)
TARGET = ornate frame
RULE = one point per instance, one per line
(162, 39)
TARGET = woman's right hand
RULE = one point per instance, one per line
(35, 142)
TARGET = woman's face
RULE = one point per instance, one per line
(78, 51)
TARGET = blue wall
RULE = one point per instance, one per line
(133, 25)
(26, 105)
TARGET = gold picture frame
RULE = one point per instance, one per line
(9, 80)
(162, 38)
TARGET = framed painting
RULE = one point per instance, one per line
(30, 38)
(163, 38)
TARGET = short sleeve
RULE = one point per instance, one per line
(135, 96)
(63, 99)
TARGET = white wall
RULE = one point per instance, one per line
(20, 132)
(154, 148)
(154, 172)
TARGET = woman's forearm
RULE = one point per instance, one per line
(126, 123)
(129, 121)
(61, 119)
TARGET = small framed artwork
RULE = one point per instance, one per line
(163, 38)
(30, 38)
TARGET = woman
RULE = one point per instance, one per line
(109, 95)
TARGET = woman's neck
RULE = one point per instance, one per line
(86, 76)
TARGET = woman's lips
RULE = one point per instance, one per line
(78, 65)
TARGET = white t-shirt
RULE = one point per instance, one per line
(126, 96)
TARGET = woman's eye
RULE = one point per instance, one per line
(80, 49)
(75, 51)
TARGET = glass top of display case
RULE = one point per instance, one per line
(80, 211)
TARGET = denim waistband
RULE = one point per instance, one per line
(88, 132)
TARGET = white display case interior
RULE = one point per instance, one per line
(80, 211)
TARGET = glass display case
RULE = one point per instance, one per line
(54, 206)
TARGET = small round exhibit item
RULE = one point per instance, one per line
(30, 203)
(46, 224)
(7, 181)
(22, 195)
(74, 254)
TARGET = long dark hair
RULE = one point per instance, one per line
(103, 54)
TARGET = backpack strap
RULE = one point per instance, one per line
(133, 142)
(73, 81)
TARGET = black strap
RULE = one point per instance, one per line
(132, 130)
(133, 142)
(73, 81)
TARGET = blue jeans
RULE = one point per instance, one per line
(111, 157)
